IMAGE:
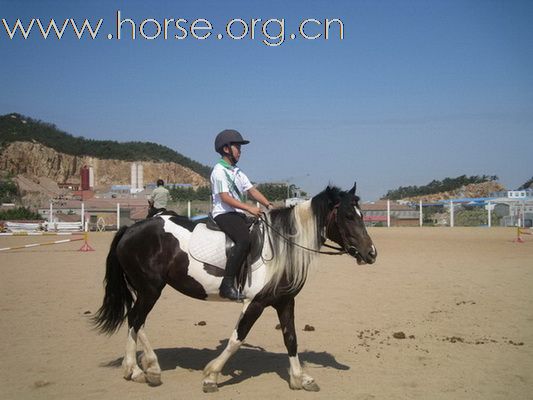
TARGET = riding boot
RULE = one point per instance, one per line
(227, 288)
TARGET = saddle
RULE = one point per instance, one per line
(209, 245)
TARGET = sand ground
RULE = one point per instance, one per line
(463, 297)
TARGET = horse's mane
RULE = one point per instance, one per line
(292, 227)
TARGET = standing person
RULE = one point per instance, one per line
(229, 186)
(158, 199)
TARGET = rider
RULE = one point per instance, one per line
(158, 199)
(228, 186)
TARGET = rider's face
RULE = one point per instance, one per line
(236, 151)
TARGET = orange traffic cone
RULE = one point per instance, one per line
(86, 246)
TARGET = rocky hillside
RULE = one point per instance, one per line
(473, 190)
(33, 159)
(18, 128)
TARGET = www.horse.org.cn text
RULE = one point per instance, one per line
(271, 32)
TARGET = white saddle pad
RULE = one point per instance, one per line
(208, 246)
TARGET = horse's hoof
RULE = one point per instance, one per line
(311, 387)
(210, 387)
(153, 378)
(138, 376)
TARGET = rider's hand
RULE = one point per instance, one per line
(255, 211)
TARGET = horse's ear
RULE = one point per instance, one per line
(333, 195)
(352, 190)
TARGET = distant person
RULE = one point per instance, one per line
(158, 199)
(229, 186)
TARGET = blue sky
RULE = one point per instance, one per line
(416, 90)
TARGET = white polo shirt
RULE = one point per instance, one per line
(226, 178)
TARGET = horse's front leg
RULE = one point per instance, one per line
(298, 379)
(250, 313)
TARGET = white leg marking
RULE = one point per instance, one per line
(131, 369)
(212, 369)
(295, 373)
(149, 362)
(299, 379)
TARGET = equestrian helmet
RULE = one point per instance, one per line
(228, 137)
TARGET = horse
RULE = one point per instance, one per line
(153, 253)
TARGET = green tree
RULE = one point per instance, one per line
(435, 186)
(527, 184)
(8, 191)
(20, 213)
(16, 127)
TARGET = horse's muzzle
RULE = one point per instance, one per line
(369, 258)
(372, 255)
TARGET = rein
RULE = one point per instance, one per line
(288, 240)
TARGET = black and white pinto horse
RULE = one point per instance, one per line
(150, 254)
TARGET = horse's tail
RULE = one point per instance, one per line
(117, 298)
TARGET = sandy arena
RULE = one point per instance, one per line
(443, 314)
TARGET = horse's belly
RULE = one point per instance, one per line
(210, 279)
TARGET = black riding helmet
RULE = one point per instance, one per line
(228, 137)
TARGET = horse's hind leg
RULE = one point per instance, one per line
(129, 363)
(149, 362)
(251, 311)
(298, 378)
(136, 319)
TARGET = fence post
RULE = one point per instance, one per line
(82, 215)
(388, 213)
(51, 214)
(451, 214)
(421, 216)
(189, 209)
(118, 216)
(489, 215)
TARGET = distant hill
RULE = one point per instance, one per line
(527, 185)
(18, 128)
(449, 185)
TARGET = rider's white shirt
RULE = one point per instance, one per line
(228, 179)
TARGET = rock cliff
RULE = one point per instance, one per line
(472, 190)
(34, 159)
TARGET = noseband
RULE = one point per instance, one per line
(332, 217)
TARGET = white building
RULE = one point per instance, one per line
(137, 179)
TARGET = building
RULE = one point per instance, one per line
(137, 178)
(515, 207)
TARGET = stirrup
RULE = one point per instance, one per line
(230, 293)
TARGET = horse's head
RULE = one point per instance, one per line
(345, 226)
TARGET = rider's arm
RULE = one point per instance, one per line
(258, 196)
(226, 198)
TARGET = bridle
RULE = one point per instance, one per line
(332, 216)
